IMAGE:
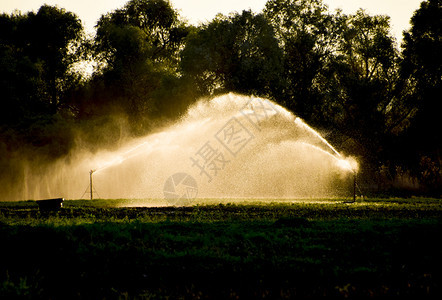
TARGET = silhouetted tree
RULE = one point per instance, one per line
(422, 68)
(53, 36)
(238, 53)
(340, 71)
(421, 74)
(358, 85)
(138, 47)
(305, 34)
(152, 28)
(43, 43)
(37, 52)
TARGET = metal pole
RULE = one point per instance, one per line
(90, 184)
(354, 186)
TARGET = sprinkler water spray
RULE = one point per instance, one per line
(261, 150)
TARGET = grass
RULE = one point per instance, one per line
(98, 249)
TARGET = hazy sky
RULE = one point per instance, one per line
(196, 11)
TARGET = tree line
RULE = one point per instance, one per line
(344, 74)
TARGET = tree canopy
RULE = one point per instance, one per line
(238, 53)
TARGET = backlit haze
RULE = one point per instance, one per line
(197, 11)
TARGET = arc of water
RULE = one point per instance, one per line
(120, 158)
(301, 123)
(344, 164)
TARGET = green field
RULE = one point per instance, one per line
(275, 250)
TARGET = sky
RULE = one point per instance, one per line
(196, 11)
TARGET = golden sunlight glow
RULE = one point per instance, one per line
(349, 164)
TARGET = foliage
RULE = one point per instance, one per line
(38, 50)
(342, 73)
(237, 53)
(138, 46)
(421, 73)
(142, 29)
(304, 31)
(358, 85)
(276, 250)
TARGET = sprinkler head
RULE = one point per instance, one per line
(348, 164)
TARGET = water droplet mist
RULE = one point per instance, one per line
(234, 146)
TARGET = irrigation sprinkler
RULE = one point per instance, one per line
(354, 185)
(90, 188)
(355, 188)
